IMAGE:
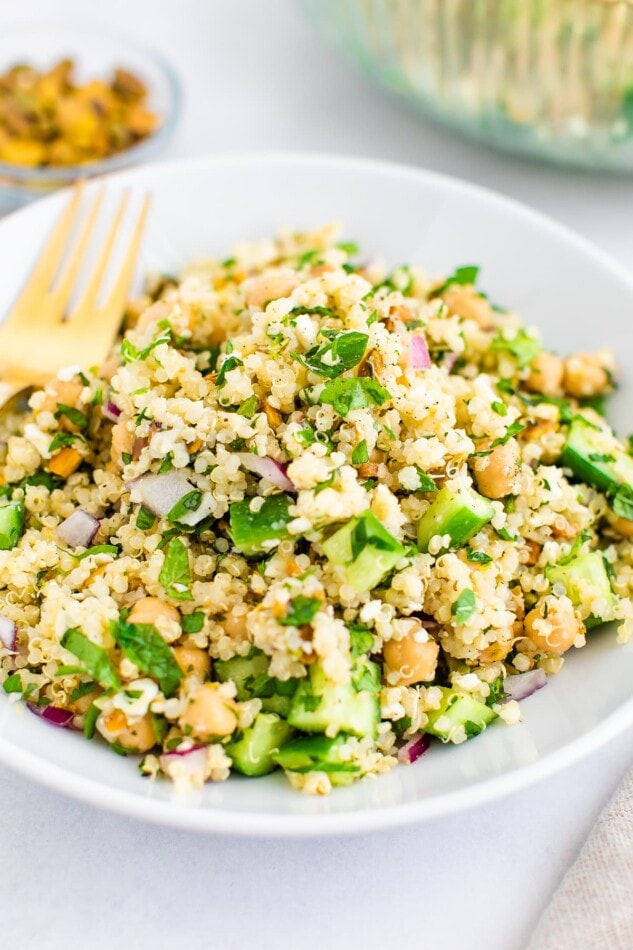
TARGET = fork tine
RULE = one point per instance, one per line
(51, 254)
(63, 289)
(88, 301)
(115, 303)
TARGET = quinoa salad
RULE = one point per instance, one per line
(312, 515)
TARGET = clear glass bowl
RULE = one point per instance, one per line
(547, 78)
(95, 50)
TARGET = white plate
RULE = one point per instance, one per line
(579, 299)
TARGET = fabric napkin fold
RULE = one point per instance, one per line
(593, 906)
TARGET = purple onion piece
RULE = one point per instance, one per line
(267, 468)
(111, 411)
(449, 361)
(53, 714)
(419, 357)
(524, 684)
(8, 634)
(79, 529)
(413, 749)
(160, 493)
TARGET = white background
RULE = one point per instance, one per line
(256, 78)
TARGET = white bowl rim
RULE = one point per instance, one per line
(253, 824)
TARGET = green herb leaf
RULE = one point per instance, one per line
(145, 647)
(13, 683)
(478, 557)
(301, 610)
(90, 721)
(73, 415)
(189, 502)
(131, 354)
(522, 346)
(464, 607)
(622, 502)
(62, 440)
(145, 519)
(340, 354)
(166, 464)
(248, 407)
(500, 408)
(175, 574)
(361, 640)
(47, 479)
(345, 395)
(229, 363)
(360, 455)
(193, 623)
(464, 276)
(426, 483)
(98, 549)
(94, 658)
(82, 690)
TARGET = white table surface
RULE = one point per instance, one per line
(256, 78)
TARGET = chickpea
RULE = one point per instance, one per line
(139, 737)
(495, 474)
(62, 392)
(585, 376)
(235, 626)
(546, 374)
(466, 302)
(414, 662)
(151, 609)
(533, 551)
(623, 526)
(122, 443)
(259, 290)
(209, 713)
(552, 625)
(194, 661)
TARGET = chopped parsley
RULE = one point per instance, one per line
(145, 519)
(301, 611)
(73, 415)
(622, 502)
(360, 455)
(145, 647)
(13, 683)
(98, 549)
(500, 408)
(522, 346)
(189, 502)
(63, 440)
(425, 483)
(193, 623)
(345, 395)
(464, 607)
(175, 574)
(248, 407)
(464, 276)
(341, 353)
(131, 354)
(94, 658)
(477, 557)
(229, 363)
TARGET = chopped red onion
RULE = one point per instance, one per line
(160, 493)
(53, 714)
(419, 357)
(524, 684)
(191, 762)
(413, 749)
(267, 468)
(111, 411)
(79, 529)
(8, 633)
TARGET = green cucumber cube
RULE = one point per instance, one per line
(253, 752)
(319, 754)
(458, 710)
(585, 578)
(460, 514)
(366, 551)
(256, 532)
(11, 524)
(319, 705)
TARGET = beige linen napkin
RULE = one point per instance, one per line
(593, 906)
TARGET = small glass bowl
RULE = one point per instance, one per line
(96, 50)
(547, 78)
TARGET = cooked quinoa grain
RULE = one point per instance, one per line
(307, 511)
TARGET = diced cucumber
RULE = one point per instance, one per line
(460, 514)
(254, 532)
(250, 675)
(366, 550)
(320, 705)
(319, 754)
(11, 524)
(458, 710)
(252, 753)
(593, 457)
(585, 578)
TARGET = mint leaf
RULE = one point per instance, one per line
(175, 574)
(522, 346)
(192, 623)
(345, 395)
(73, 415)
(145, 647)
(301, 610)
(94, 658)
(340, 354)
(464, 607)
(464, 276)
(360, 455)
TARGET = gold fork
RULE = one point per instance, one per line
(39, 336)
